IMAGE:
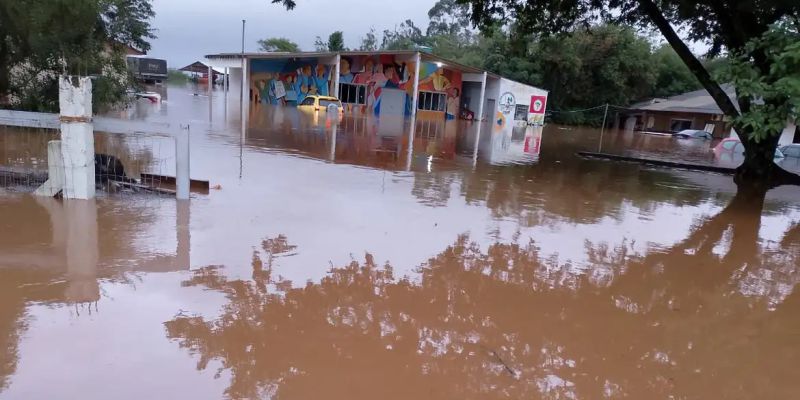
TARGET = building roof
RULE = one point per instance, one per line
(317, 54)
(698, 101)
(200, 68)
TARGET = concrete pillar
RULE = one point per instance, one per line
(334, 131)
(412, 129)
(245, 87)
(336, 72)
(210, 80)
(479, 120)
(77, 136)
(182, 179)
(55, 171)
(415, 97)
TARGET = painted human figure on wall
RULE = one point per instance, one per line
(291, 89)
(346, 75)
(437, 80)
(453, 98)
(321, 80)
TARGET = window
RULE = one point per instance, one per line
(521, 112)
(432, 101)
(739, 148)
(352, 94)
(677, 125)
(324, 103)
(309, 101)
(791, 151)
(729, 145)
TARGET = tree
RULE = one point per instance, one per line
(336, 41)
(369, 42)
(41, 39)
(722, 25)
(405, 37)
(320, 45)
(278, 44)
(605, 64)
(672, 75)
(770, 98)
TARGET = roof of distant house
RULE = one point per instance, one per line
(698, 101)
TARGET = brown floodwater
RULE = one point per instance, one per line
(346, 259)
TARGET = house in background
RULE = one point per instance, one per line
(692, 110)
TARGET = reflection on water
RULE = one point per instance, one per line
(508, 321)
(350, 258)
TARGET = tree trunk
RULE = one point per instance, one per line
(759, 170)
(697, 69)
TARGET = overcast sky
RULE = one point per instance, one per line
(189, 29)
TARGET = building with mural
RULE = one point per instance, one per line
(384, 84)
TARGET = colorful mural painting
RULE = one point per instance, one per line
(369, 85)
(288, 82)
(433, 77)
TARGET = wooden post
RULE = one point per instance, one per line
(602, 130)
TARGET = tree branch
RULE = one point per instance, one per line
(695, 66)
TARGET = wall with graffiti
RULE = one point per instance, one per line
(288, 82)
(370, 85)
(436, 78)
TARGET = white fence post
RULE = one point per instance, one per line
(77, 137)
(182, 180)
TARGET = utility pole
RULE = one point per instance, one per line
(241, 87)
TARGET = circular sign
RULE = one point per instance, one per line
(507, 102)
(538, 104)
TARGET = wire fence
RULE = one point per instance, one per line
(126, 162)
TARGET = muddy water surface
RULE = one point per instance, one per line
(345, 259)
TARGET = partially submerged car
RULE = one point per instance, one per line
(731, 151)
(693, 134)
(320, 103)
(791, 150)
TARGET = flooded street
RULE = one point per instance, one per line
(345, 260)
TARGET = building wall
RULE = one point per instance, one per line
(662, 121)
(369, 76)
(513, 94)
(490, 99)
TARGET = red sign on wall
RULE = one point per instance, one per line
(538, 104)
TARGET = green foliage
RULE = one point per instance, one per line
(176, 77)
(320, 45)
(605, 64)
(672, 75)
(276, 44)
(336, 41)
(407, 36)
(772, 97)
(42, 39)
(369, 42)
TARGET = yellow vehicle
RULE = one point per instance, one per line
(320, 103)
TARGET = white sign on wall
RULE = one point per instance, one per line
(507, 102)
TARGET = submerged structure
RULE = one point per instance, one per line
(387, 85)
